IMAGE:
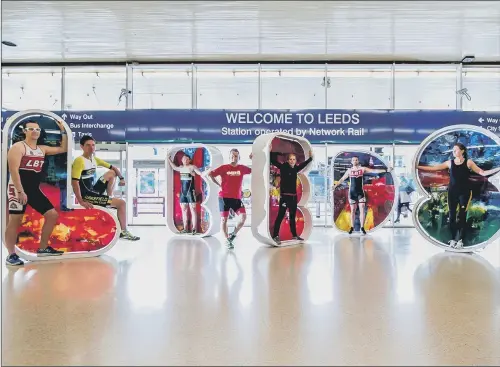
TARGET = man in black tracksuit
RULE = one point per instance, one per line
(288, 191)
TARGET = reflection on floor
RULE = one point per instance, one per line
(389, 298)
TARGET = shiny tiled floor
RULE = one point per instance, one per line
(385, 299)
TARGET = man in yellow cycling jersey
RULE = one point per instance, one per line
(89, 193)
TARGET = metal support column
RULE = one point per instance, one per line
(63, 88)
(194, 87)
(259, 103)
(129, 81)
(459, 86)
(393, 86)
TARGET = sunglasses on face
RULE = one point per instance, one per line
(37, 129)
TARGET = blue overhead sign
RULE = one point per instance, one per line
(229, 126)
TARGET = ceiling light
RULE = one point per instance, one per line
(469, 58)
(8, 43)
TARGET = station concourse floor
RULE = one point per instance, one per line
(385, 299)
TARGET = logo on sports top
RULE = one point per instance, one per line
(356, 173)
(32, 163)
(233, 173)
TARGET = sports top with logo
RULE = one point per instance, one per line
(356, 193)
(30, 172)
(188, 194)
(231, 182)
(84, 170)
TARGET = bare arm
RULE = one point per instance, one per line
(76, 173)
(346, 175)
(196, 170)
(64, 143)
(437, 167)
(172, 164)
(76, 189)
(117, 171)
(373, 170)
(473, 166)
(212, 176)
(14, 157)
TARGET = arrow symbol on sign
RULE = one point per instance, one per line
(480, 120)
(64, 116)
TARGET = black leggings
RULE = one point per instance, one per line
(455, 199)
(400, 206)
(290, 202)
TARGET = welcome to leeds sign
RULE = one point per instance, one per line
(224, 126)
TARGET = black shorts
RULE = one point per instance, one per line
(227, 204)
(187, 197)
(36, 199)
(356, 196)
(100, 186)
(95, 198)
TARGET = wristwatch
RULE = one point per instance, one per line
(121, 178)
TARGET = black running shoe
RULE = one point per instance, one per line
(277, 240)
(363, 230)
(232, 236)
(351, 230)
(297, 238)
(193, 232)
(14, 260)
(48, 251)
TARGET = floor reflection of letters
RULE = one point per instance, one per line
(363, 297)
(459, 295)
(36, 293)
(281, 277)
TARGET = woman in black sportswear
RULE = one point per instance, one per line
(459, 190)
(288, 191)
(187, 195)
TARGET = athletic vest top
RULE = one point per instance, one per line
(30, 167)
(459, 177)
(356, 179)
(187, 179)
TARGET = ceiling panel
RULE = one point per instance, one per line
(83, 31)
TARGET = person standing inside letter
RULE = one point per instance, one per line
(288, 191)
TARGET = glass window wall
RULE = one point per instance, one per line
(227, 87)
(95, 88)
(162, 87)
(31, 88)
(425, 87)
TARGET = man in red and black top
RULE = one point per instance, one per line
(230, 195)
(288, 191)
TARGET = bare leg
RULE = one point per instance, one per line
(362, 214)
(184, 209)
(110, 177)
(194, 217)
(119, 204)
(48, 226)
(15, 221)
(353, 213)
(224, 226)
(243, 218)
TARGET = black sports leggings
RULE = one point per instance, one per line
(460, 199)
(290, 202)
